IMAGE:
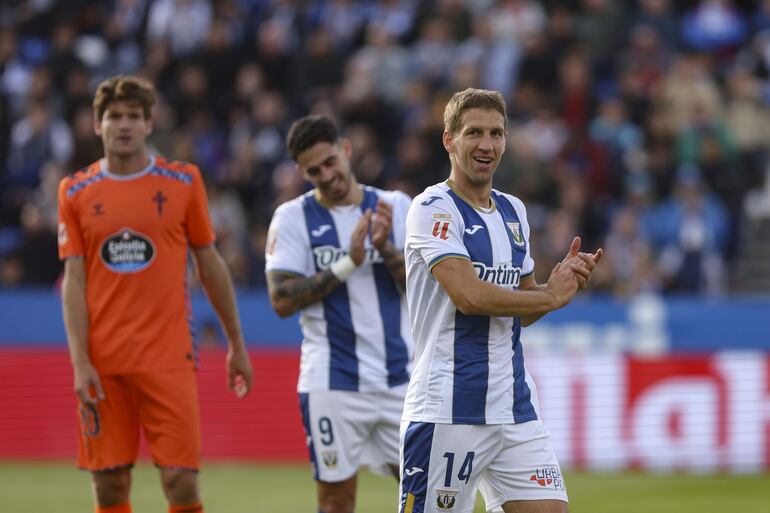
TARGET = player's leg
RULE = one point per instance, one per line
(336, 427)
(525, 477)
(181, 488)
(169, 415)
(442, 464)
(339, 497)
(108, 444)
(112, 489)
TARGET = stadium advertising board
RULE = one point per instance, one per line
(701, 413)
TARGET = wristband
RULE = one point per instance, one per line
(343, 268)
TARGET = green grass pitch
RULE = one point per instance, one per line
(263, 488)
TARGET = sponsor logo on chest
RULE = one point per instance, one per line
(127, 251)
(504, 275)
(325, 256)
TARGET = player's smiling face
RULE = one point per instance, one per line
(123, 129)
(327, 167)
(477, 147)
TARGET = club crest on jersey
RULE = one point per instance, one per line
(445, 499)
(127, 251)
(515, 228)
(329, 458)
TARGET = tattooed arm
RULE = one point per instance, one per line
(290, 293)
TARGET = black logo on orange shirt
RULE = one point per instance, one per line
(127, 251)
(98, 210)
(160, 199)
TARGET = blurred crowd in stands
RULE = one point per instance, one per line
(641, 125)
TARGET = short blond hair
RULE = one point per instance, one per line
(134, 91)
(471, 99)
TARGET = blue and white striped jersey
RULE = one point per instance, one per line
(469, 369)
(358, 337)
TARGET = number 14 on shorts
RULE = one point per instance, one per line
(464, 474)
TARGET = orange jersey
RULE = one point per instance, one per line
(134, 232)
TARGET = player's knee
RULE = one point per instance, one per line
(111, 487)
(180, 486)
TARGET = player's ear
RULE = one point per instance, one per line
(446, 138)
(97, 125)
(347, 147)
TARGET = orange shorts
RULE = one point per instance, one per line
(164, 405)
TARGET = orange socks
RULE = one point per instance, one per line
(120, 508)
(186, 508)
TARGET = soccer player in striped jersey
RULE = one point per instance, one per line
(336, 254)
(470, 416)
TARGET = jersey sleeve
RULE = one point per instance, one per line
(287, 250)
(70, 237)
(434, 229)
(200, 233)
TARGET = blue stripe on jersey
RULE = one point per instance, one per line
(389, 298)
(343, 362)
(523, 409)
(471, 344)
(304, 408)
(98, 177)
(174, 175)
(418, 442)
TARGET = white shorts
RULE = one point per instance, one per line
(442, 465)
(348, 430)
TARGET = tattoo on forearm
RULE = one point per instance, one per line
(302, 291)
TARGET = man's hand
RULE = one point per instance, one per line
(239, 373)
(562, 283)
(582, 264)
(358, 237)
(381, 224)
(86, 381)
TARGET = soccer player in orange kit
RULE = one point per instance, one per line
(126, 226)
